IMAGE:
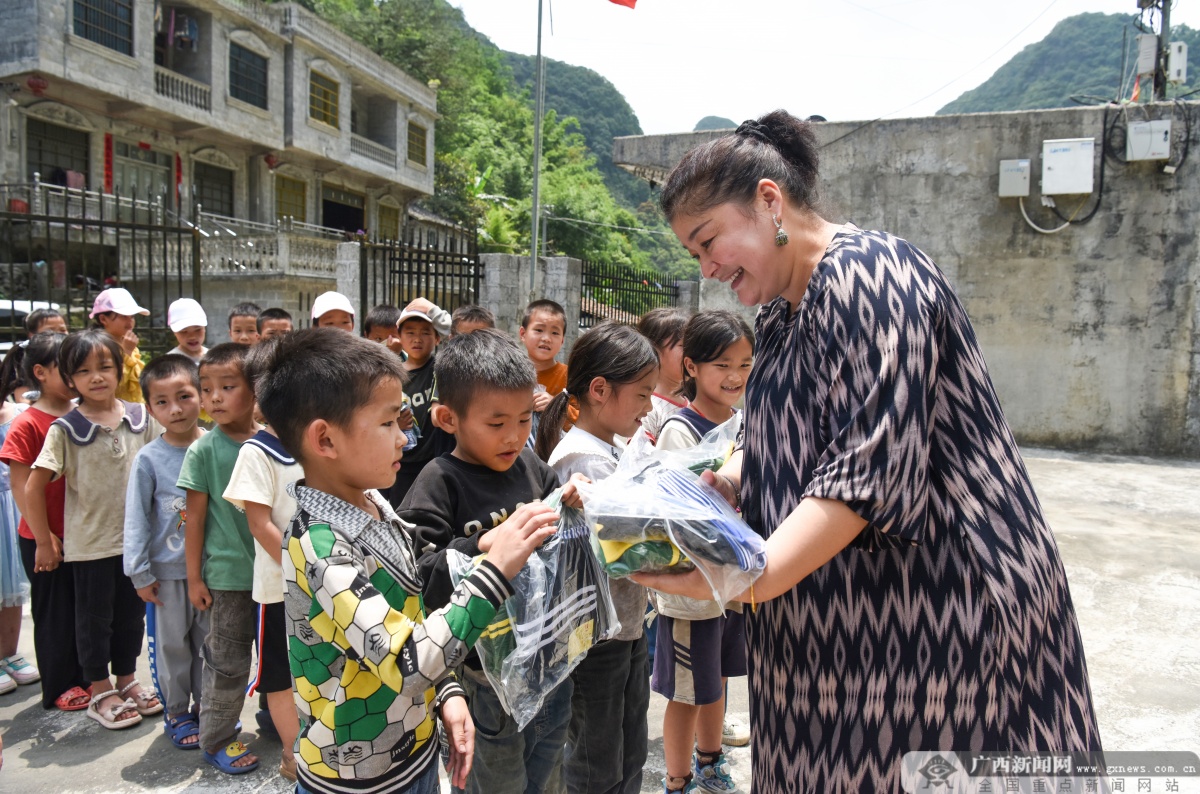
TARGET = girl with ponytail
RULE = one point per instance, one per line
(52, 591)
(610, 375)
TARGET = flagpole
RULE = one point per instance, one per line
(539, 105)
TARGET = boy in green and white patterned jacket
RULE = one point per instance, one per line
(369, 666)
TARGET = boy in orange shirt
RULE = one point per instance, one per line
(543, 330)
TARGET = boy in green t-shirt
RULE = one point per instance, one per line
(220, 555)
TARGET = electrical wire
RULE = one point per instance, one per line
(1106, 130)
(960, 76)
(1034, 226)
(609, 225)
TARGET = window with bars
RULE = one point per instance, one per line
(323, 99)
(291, 198)
(106, 22)
(214, 188)
(416, 143)
(247, 76)
(389, 222)
(51, 151)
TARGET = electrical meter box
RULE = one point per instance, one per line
(1014, 178)
(1148, 140)
(1067, 166)
(1177, 62)
(1147, 61)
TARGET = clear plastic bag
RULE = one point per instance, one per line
(560, 609)
(655, 515)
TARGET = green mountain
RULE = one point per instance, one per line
(1081, 57)
(714, 123)
(483, 170)
(600, 109)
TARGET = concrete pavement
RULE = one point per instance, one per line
(1129, 532)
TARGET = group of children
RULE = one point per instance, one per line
(313, 521)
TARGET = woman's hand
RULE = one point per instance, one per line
(48, 555)
(460, 733)
(691, 584)
(723, 486)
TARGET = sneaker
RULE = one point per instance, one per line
(712, 777)
(20, 670)
(734, 733)
(6, 683)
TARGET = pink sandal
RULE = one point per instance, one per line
(141, 701)
(108, 716)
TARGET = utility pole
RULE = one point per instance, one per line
(1164, 50)
(540, 110)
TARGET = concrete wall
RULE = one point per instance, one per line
(1091, 335)
(505, 290)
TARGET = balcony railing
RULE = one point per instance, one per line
(282, 253)
(182, 89)
(373, 151)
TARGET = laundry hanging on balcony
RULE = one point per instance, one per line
(187, 33)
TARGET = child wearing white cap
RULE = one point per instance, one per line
(114, 311)
(333, 310)
(189, 323)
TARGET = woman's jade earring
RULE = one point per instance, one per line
(781, 237)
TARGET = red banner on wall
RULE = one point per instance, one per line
(108, 162)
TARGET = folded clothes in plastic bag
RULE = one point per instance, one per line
(654, 515)
(561, 608)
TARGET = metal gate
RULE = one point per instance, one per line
(60, 246)
(622, 293)
(395, 273)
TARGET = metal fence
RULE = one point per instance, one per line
(394, 273)
(622, 293)
(62, 245)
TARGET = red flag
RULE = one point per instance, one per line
(626, 3)
(1137, 88)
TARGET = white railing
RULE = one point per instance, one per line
(182, 89)
(282, 253)
(373, 151)
(42, 198)
(217, 225)
(291, 224)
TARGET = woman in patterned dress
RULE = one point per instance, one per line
(914, 598)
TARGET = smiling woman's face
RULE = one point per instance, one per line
(736, 248)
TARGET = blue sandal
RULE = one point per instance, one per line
(180, 727)
(225, 758)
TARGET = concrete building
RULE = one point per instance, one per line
(1092, 333)
(275, 133)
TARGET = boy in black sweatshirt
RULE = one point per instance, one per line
(485, 391)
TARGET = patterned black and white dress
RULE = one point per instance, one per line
(947, 624)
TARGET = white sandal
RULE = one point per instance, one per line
(142, 699)
(108, 717)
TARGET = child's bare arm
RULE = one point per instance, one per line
(258, 516)
(49, 548)
(193, 548)
(19, 475)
